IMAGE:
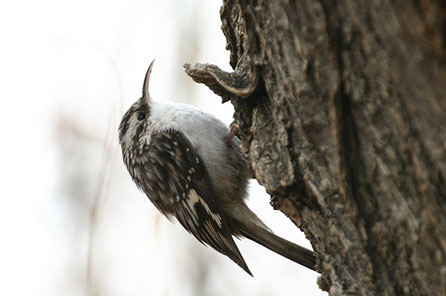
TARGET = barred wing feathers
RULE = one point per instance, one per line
(175, 179)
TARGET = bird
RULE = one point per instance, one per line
(188, 164)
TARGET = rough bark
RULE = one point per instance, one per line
(341, 106)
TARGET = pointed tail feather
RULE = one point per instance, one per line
(279, 245)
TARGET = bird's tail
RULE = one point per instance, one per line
(279, 245)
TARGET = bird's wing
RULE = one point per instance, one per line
(175, 179)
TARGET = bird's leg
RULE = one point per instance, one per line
(233, 131)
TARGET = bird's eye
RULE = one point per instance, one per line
(141, 116)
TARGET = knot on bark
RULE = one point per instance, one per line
(238, 84)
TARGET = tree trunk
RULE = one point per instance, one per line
(341, 107)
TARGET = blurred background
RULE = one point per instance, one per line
(71, 220)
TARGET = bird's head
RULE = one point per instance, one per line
(135, 121)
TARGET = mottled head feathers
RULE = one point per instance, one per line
(135, 120)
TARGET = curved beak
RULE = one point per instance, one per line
(145, 88)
